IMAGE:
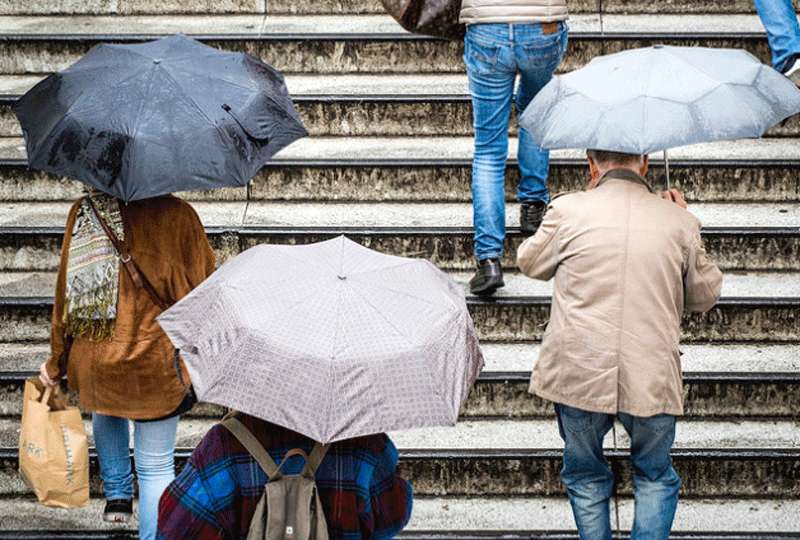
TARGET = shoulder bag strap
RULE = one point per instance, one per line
(315, 460)
(138, 278)
(252, 445)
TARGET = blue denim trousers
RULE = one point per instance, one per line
(589, 481)
(494, 54)
(153, 453)
(783, 32)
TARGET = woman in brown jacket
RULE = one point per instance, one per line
(105, 336)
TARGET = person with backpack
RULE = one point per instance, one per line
(250, 479)
(122, 264)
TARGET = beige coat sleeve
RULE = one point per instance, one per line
(538, 256)
(702, 280)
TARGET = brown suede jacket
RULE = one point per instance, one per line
(133, 375)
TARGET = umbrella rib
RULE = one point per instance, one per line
(382, 316)
(193, 103)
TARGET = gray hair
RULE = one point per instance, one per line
(605, 157)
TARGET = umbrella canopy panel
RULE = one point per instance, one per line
(331, 339)
(656, 98)
(143, 120)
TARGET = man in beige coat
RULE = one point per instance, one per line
(626, 264)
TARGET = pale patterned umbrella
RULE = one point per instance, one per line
(332, 340)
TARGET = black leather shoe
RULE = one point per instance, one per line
(530, 216)
(487, 279)
(118, 511)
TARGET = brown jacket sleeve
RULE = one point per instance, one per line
(702, 280)
(199, 257)
(537, 257)
(57, 328)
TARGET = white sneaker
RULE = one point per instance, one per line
(793, 73)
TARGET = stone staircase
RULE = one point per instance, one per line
(388, 164)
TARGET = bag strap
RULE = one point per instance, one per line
(315, 460)
(138, 278)
(251, 444)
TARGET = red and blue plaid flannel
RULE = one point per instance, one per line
(216, 494)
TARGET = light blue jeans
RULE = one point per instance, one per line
(783, 32)
(494, 54)
(153, 453)
(589, 481)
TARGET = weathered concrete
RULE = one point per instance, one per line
(448, 248)
(735, 285)
(477, 514)
(354, 44)
(514, 320)
(537, 474)
(756, 359)
(539, 434)
(125, 7)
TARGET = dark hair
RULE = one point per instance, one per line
(606, 156)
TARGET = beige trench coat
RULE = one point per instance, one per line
(626, 265)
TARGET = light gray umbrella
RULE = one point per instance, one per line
(332, 340)
(645, 100)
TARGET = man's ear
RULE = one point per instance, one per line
(594, 172)
(645, 166)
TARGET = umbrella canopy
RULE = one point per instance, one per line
(143, 120)
(656, 98)
(332, 340)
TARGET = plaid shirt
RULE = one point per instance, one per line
(216, 494)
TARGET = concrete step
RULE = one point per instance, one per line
(353, 44)
(126, 7)
(752, 237)
(491, 458)
(421, 169)
(518, 518)
(361, 105)
(720, 380)
(771, 316)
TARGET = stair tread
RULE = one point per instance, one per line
(339, 216)
(348, 149)
(535, 434)
(697, 359)
(735, 285)
(257, 25)
(479, 514)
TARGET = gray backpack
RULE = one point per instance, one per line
(290, 507)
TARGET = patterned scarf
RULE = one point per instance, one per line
(90, 309)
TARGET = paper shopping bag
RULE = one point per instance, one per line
(53, 448)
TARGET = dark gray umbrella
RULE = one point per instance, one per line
(143, 120)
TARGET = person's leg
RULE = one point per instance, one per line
(783, 32)
(585, 472)
(112, 440)
(491, 84)
(656, 484)
(538, 50)
(154, 450)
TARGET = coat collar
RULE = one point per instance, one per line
(627, 175)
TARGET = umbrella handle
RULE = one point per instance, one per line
(666, 169)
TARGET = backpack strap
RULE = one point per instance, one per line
(315, 460)
(251, 444)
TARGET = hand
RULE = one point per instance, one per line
(673, 195)
(44, 377)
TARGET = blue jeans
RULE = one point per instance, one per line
(153, 452)
(783, 32)
(494, 54)
(589, 481)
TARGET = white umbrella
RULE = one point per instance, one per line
(646, 100)
(332, 340)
